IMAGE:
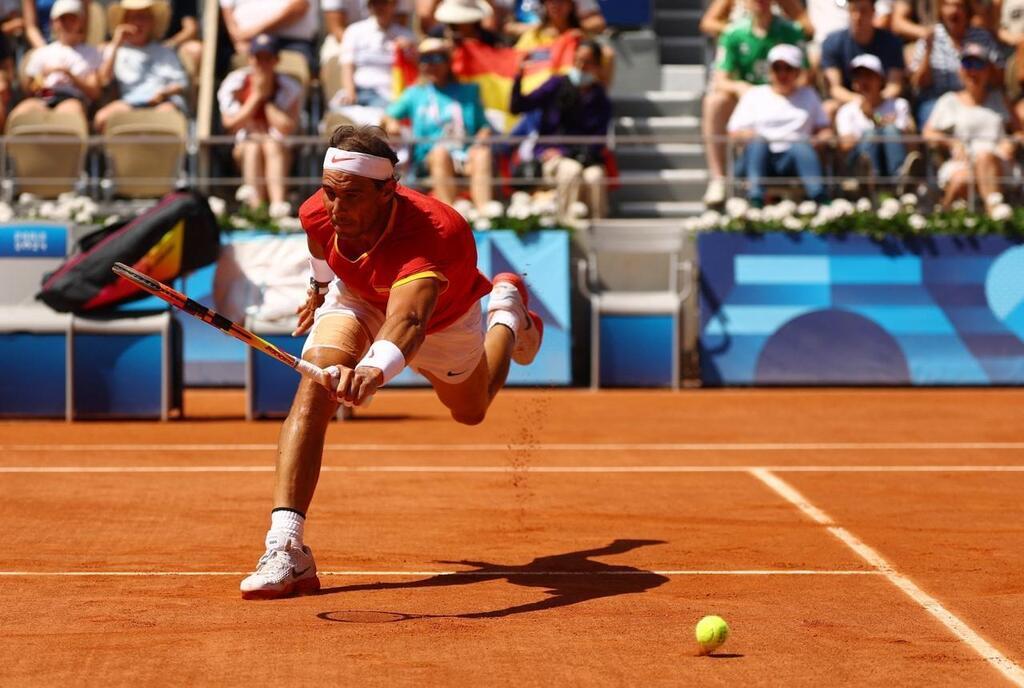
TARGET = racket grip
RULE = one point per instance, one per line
(315, 373)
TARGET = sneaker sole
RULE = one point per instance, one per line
(305, 586)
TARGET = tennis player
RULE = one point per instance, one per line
(394, 283)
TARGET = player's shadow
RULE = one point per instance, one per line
(568, 579)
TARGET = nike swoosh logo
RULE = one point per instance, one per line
(453, 374)
(336, 159)
(296, 574)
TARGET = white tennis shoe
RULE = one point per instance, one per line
(509, 294)
(284, 571)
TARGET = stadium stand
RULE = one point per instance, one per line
(46, 150)
(150, 170)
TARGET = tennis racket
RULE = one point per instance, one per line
(232, 329)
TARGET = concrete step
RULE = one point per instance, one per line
(684, 50)
(659, 209)
(661, 185)
(660, 156)
(686, 125)
(691, 78)
(673, 23)
(658, 104)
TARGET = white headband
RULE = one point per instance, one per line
(362, 164)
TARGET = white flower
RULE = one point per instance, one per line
(960, 204)
(807, 208)
(736, 207)
(753, 215)
(217, 205)
(67, 197)
(27, 198)
(548, 220)
(917, 222)
(819, 220)
(993, 199)
(709, 219)
(887, 212)
(519, 212)
(691, 224)
(520, 198)
(841, 207)
(245, 193)
(62, 213)
(891, 206)
(792, 224)
(6, 212)
(1002, 212)
(578, 210)
(83, 218)
(908, 199)
(970, 221)
(786, 207)
(863, 205)
(463, 207)
(493, 209)
(771, 213)
(482, 223)
(47, 210)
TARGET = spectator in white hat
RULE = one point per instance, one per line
(975, 127)
(780, 122)
(147, 72)
(37, 24)
(871, 129)
(340, 14)
(62, 75)
(368, 56)
(462, 20)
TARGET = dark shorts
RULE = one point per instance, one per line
(54, 99)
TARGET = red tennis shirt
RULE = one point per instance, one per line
(425, 238)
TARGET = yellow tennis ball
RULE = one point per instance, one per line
(711, 632)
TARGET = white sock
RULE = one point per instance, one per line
(507, 318)
(285, 525)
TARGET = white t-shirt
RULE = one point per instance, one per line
(982, 126)
(79, 60)
(249, 13)
(357, 10)
(851, 120)
(372, 51)
(286, 94)
(779, 119)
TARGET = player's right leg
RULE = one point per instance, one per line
(287, 566)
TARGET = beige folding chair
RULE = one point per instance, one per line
(330, 78)
(145, 169)
(333, 120)
(49, 162)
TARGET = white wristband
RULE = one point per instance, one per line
(385, 357)
(321, 270)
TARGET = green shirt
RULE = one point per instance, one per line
(743, 53)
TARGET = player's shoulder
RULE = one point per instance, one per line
(429, 210)
(312, 209)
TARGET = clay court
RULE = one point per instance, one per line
(850, 537)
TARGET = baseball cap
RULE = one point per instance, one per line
(264, 43)
(433, 45)
(976, 50)
(62, 7)
(788, 54)
(868, 62)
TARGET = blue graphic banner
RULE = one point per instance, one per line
(806, 310)
(33, 240)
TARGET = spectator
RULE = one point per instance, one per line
(340, 14)
(973, 125)
(62, 75)
(779, 123)
(913, 20)
(368, 55)
(575, 104)
(461, 20)
(444, 114)
(6, 76)
(261, 108)
(871, 129)
(12, 26)
(1011, 33)
(35, 16)
(839, 49)
(184, 34)
(742, 63)
(935, 66)
(556, 18)
(294, 22)
(148, 73)
(720, 14)
(526, 14)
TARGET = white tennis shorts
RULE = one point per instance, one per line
(450, 355)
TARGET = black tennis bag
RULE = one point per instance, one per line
(178, 235)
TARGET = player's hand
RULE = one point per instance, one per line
(356, 386)
(306, 311)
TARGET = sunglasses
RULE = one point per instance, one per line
(433, 59)
(973, 64)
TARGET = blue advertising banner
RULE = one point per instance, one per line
(542, 257)
(807, 310)
(33, 240)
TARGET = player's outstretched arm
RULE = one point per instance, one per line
(410, 306)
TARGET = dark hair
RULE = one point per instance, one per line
(595, 48)
(365, 139)
(574, 17)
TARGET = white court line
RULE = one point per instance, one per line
(526, 469)
(602, 447)
(960, 629)
(489, 574)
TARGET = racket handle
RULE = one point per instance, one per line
(316, 374)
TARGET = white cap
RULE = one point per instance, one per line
(62, 7)
(790, 54)
(462, 11)
(869, 62)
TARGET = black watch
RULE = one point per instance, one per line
(319, 287)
